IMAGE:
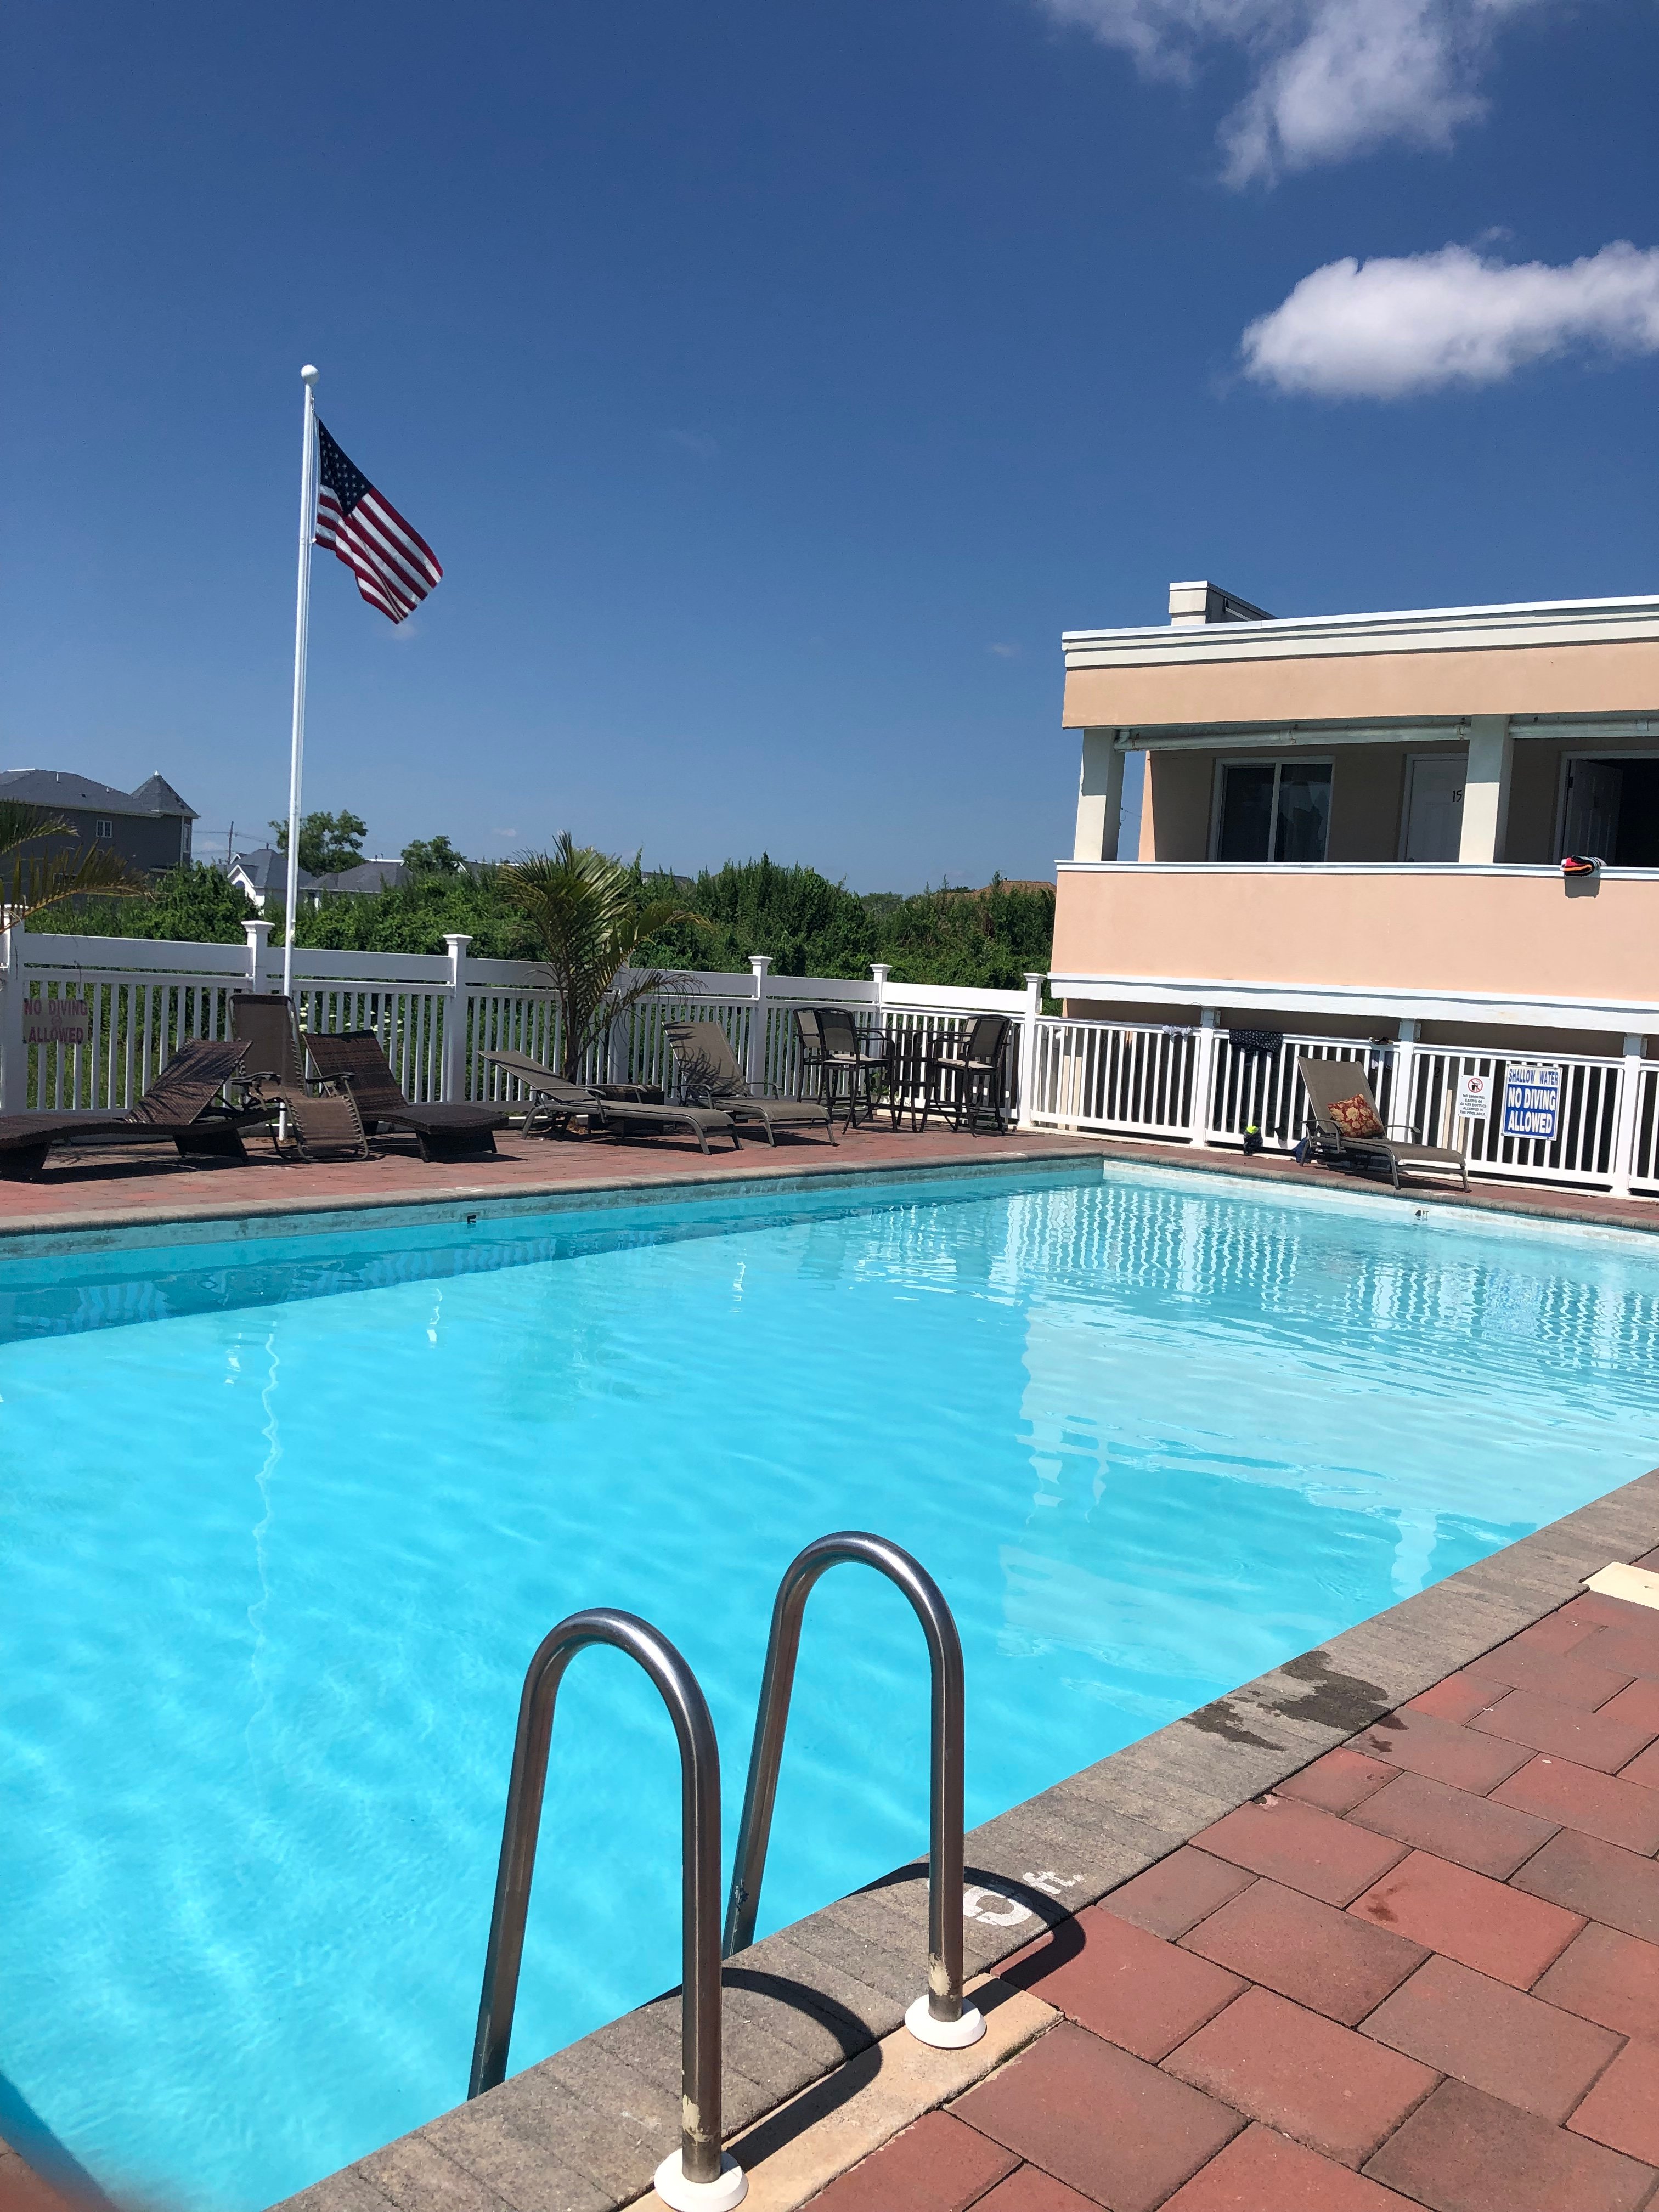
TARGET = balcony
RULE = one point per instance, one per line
(1380, 942)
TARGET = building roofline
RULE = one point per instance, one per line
(1420, 630)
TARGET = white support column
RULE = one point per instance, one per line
(1028, 1023)
(454, 1057)
(759, 964)
(1627, 1128)
(1405, 1064)
(1204, 1073)
(13, 1052)
(258, 946)
(1487, 789)
(1099, 797)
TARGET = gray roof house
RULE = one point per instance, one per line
(262, 874)
(149, 827)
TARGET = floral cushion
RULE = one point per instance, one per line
(1356, 1117)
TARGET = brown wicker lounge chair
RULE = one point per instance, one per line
(710, 1076)
(312, 1119)
(449, 1131)
(557, 1101)
(1333, 1085)
(178, 1108)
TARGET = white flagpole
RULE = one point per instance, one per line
(302, 627)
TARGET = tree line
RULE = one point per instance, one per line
(985, 938)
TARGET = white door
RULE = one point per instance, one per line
(1594, 790)
(1434, 809)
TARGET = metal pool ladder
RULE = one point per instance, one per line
(938, 2016)
(698, 2177)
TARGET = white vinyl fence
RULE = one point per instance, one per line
(89, 1022)
(1201, 1086)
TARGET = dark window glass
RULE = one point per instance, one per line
(1304, 810)
(1247, 811)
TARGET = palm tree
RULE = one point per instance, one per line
(590, 914)
(44, 879)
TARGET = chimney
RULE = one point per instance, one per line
(1208, 603)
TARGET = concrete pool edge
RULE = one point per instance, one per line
(137, 1229)
(582, 2131)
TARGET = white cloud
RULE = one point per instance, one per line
(1387, 329)
(1004, 652)
(1333, 78)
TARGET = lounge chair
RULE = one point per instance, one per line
(710, 1076)
(443, 1132)
(1348, 1126)
(178, 1108)
(975, 1060)
(557, 1101)
(314, 1118)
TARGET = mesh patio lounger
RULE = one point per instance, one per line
(641, 1114)
(319, 1117)
(178, 1106)
(1342, 1103)
(444, 1132)
(709, 1074)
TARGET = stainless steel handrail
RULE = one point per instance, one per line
(941, 2017)
(699, 2160)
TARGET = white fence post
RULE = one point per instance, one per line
(756, 1070)
(454, 1004)
(1203, 1074)
(1028, 1031)
(1405, 1081)
(13, 1052)
(1630, 1112)
(258, 946)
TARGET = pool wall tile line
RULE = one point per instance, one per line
(583, 2130)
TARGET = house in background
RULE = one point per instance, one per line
(262, 874)
(1353, 825)
(150, 828)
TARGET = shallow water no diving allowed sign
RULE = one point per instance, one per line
(1532, 1102)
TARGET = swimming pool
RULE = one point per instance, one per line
(285, 1517)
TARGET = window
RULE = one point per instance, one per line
(1273, 810)
(103, 830)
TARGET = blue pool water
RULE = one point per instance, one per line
(285, 1520)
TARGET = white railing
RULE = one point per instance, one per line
(130, 1002)
(1210, 1086)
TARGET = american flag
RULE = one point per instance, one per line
(394, 566)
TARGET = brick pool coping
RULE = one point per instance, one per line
(583, 2130)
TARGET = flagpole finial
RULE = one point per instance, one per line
(307, 374)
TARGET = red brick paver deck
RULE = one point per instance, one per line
(85, 1187)
(1423, 1972)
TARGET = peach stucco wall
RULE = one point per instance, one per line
(1466, 932)
(1620, 679)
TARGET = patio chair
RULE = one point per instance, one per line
(974, 1062)
(854, 1056)
(1348, 1127)
(646, 1112)
(710, 1076)
(453, 1130)
(315, 1119)
(179, 1108)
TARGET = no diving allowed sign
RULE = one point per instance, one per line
(1532, 1102)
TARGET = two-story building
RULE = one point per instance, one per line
(1352, 826)
(150, 828)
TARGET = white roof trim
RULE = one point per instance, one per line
(1424, 629)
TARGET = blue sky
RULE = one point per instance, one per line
(776, 383)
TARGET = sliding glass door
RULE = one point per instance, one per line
(1273, 810)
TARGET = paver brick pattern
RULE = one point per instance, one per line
(1423, 1972)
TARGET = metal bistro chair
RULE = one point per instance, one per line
(858, 1060)
(974, 1064)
